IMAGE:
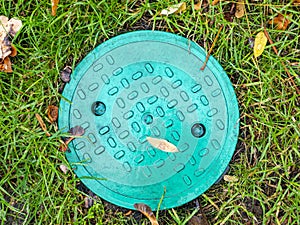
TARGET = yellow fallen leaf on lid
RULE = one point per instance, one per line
(230, 178)
(146, 210)
(162, 144)
(259, 44)
(240, 9)
(178, 8)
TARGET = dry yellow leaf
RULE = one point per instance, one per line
(178, 8)
(240, 9)
(230, 178)
(259, 44)
(162, 144)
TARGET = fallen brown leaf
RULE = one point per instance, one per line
(215, 2)
(198, 5)
(64, 145)
(296, 2)
(281, 22)
(54, 6)
(5, 66)
(146, 210)
(240, 9)
(13, 51)
(42, 124)
(259, 44)
(52, 113)
(162, 144)
(178, 8)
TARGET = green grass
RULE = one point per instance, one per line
(32, 188)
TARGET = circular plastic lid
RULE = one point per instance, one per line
(149, 84)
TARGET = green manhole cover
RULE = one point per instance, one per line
(149, 83)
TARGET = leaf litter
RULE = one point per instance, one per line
(52, 113)
(8, 29)
(214, 2)
(281, 22)
(259, 44)
(240, 9)
(75, 132)
(198, 5)
(178, 8)
(229, 178)
(162, 144)
(147, 211)
(54, 4)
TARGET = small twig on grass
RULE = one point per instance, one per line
(282, 63)
(211, 47)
